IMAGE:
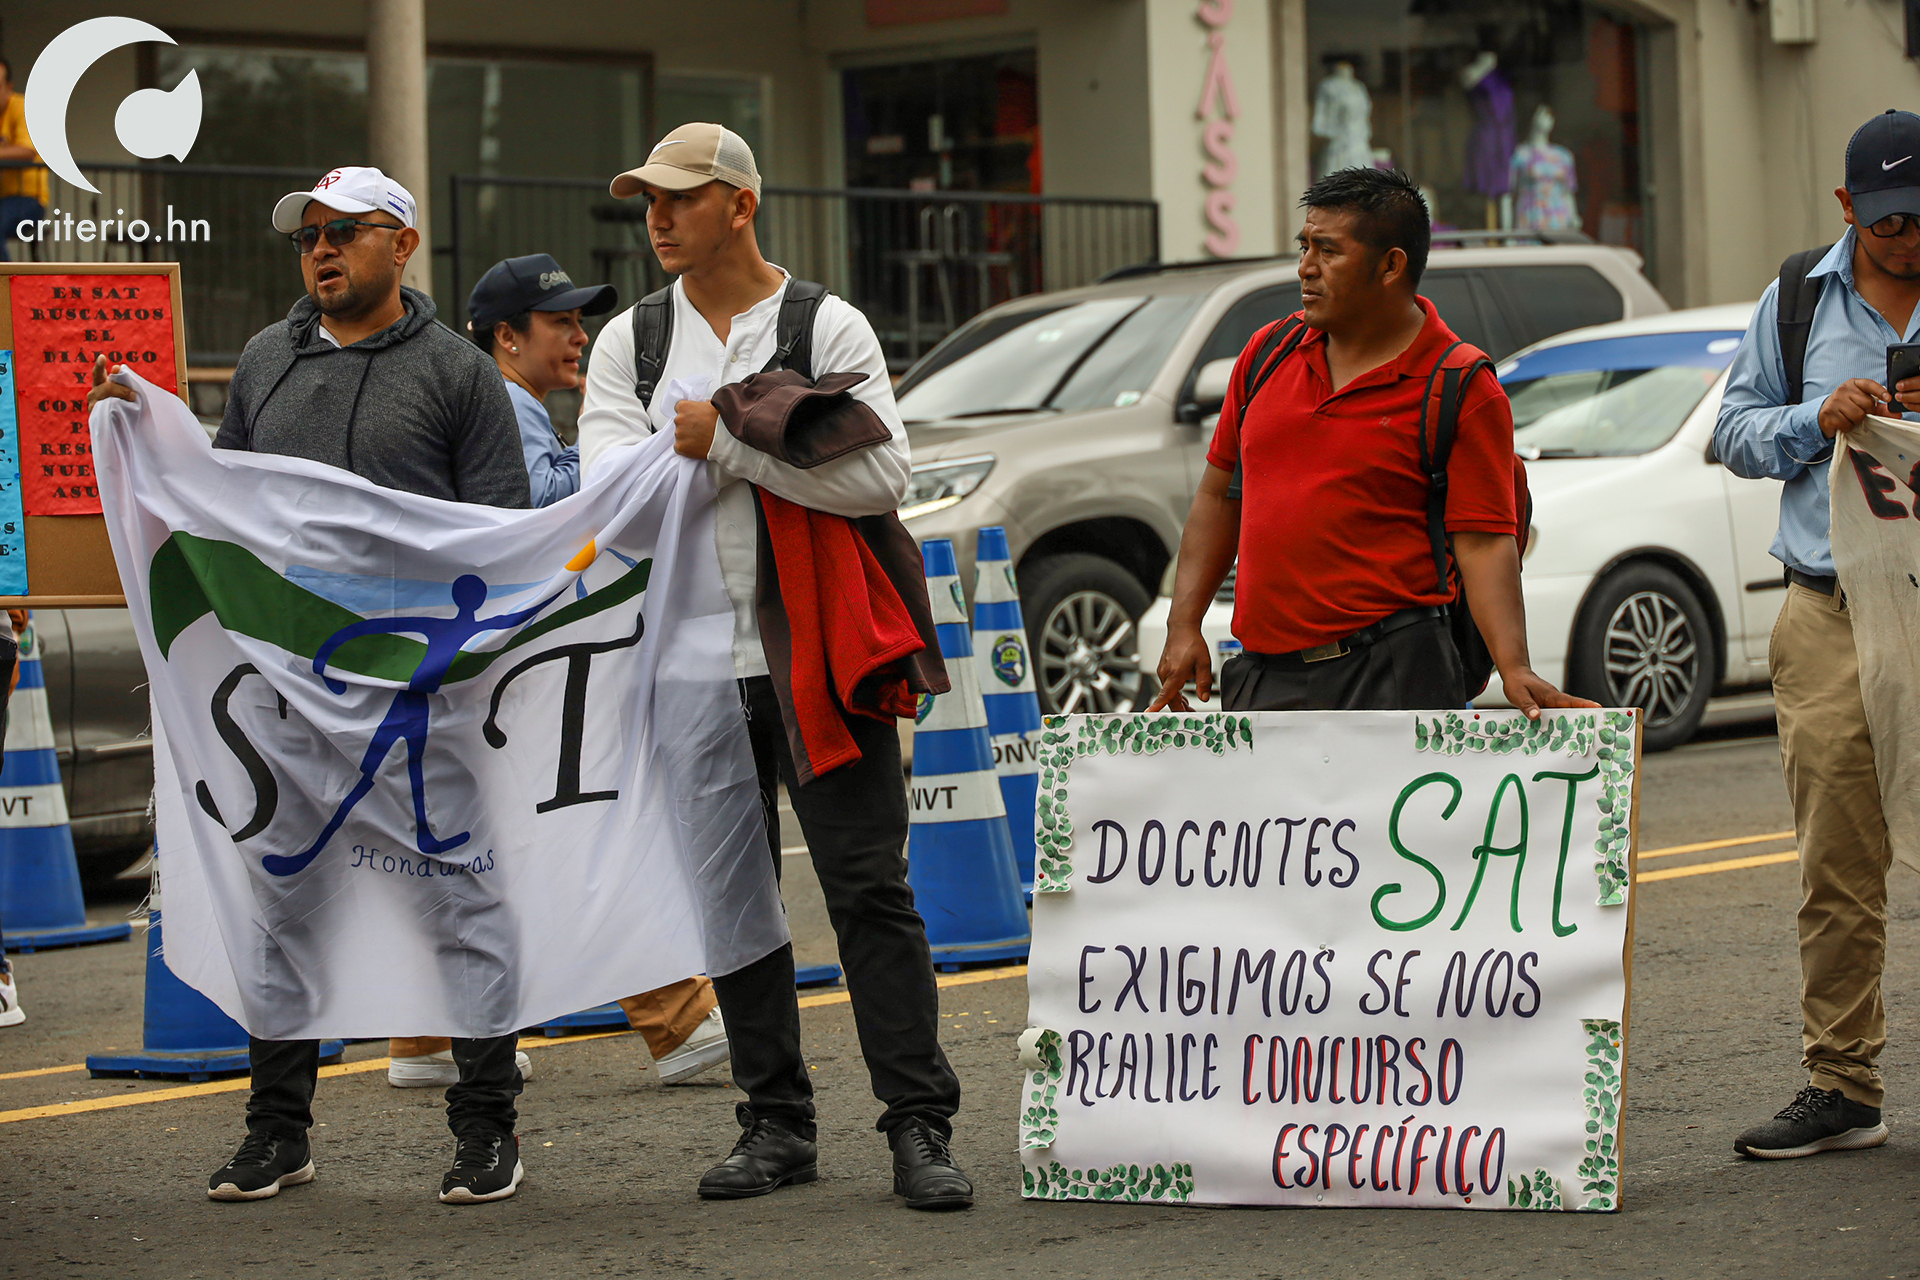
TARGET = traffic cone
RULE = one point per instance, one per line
(40, 902)
(184, 1034)
(1005, 673)
(959, 854)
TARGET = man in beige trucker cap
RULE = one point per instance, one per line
(692, 156)
(719, 322)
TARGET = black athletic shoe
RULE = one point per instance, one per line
(767, 1156)
(262, 1166)
(1816, 1120)
(924, 1171)
(484, 1168)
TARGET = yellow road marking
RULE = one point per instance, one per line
(944, 980)
(79, 1105)
(42, 1071)
(1677, 849)
(1708, 868)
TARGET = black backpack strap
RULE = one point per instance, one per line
(1453, 385)
(795, 334)
(1797, 298)
(652, 339)
(1284, 337)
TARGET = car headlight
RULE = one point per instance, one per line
(935, 486)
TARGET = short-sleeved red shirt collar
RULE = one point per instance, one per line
(1333, 533)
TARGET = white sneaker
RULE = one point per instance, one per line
(11, 1014)
(706, 1047)
(438, 1070)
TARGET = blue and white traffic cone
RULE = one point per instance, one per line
(184, 1035)
(1006, 682)
(40, 902)
(959, 854)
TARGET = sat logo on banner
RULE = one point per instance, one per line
(1331, 958)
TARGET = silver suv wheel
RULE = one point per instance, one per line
(1087, 661)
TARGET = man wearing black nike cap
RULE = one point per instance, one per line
(1805, 372)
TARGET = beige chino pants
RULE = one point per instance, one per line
(1827, 754)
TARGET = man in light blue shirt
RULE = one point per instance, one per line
(1868, 288)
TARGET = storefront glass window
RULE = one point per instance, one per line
(956, 124)
(1522, 115)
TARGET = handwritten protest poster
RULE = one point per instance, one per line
(1331, 958)
(13, 534)
(60, 322)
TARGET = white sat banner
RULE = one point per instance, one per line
(428, 768)
(1331, 958)
(1875, 492)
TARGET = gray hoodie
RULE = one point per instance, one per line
(413, 407)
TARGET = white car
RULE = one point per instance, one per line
(1647, 577)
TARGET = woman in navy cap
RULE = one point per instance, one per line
(526, 314)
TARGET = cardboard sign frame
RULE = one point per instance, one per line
(73, 551)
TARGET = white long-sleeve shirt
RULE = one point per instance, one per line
(866, 482)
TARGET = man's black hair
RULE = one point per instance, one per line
(7, 67)
(1390, 212)
(483, 338)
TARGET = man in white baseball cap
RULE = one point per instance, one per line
(359, 376)
(350, 189)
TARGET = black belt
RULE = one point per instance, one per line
(1814, 582)
(1358, 640)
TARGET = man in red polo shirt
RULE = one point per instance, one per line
(1337, 601)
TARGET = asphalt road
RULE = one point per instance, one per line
(612, 1157)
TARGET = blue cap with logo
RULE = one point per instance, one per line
(533, 283)
(1883, 167)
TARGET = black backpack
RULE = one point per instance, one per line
(653, 335)
(1797, 298)
(1476, 661)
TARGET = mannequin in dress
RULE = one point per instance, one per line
(1490, 144)
(1343, 115)
(1544, 180)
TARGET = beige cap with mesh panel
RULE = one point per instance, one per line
(692, 156)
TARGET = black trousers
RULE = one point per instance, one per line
(481, 1105)
(1415, 668)
(855, 823)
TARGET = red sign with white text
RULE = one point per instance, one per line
(59, 324)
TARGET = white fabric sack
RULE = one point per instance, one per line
(1876, 552)
(592, 826)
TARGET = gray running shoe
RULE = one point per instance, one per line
(1816, 1120)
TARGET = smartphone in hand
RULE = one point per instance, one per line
(1903, 361)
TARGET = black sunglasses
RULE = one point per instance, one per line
(340, 233)
(1894, 224)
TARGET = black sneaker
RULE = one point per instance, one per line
(766, 1157)
(1816, 1120)
(484, 1168)
(262, 1166)
(924, 1171)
